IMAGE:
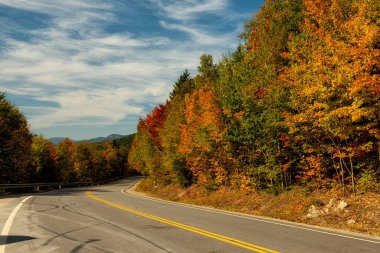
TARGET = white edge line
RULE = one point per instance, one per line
(245, 216)
(8, 224)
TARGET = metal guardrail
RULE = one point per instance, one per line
(38, 187)
(17, 186)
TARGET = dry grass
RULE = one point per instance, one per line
(291, 205)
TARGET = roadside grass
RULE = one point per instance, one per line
(292, 205)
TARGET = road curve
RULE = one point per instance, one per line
(109, 219)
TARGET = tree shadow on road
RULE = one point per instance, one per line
(14, 239)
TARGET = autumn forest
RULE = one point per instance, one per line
(26, 158)
(297, 103)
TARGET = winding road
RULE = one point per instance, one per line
(110, 218)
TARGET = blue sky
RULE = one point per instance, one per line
(88, 68)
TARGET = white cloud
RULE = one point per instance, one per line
(58, 8)
(203, 37)
(190, 9)
(87, 107)
(97, 77)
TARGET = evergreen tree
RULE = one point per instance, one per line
(183, 85)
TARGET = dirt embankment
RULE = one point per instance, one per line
(356, 213)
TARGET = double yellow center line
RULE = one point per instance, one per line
(236, 242)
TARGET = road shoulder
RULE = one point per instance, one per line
(131, 190)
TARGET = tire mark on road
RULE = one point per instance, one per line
(65, 207)
(83, 244)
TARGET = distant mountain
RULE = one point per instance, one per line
(110, 137)
(126, 141)
(56, 140)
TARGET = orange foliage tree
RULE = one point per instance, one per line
(335, 90)
(202, 139)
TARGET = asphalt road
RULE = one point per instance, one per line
(109, 219)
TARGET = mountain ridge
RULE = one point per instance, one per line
(110, 137)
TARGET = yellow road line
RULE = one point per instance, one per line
(236, 242)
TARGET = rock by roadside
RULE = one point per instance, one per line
(332, 206)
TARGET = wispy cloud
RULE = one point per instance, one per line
(97, 76)
(203, 37)
(184, 16)
(59, 8)
(190, 9)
